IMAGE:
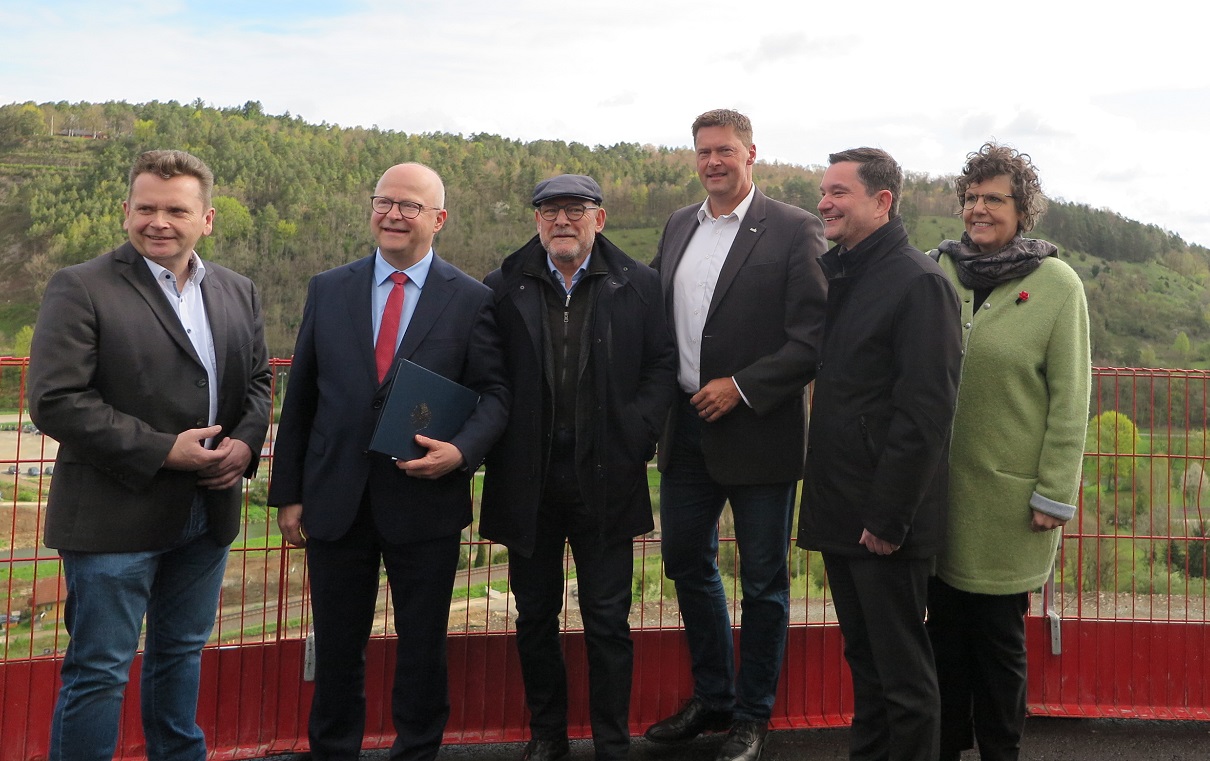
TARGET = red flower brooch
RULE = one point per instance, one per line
(1022, 297)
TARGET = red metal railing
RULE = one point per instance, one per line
(1127, 633)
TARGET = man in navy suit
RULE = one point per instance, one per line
(353, 508)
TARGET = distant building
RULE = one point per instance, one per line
(47, 598)
(85, 133)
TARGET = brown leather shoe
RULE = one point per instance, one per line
(545, 750)
(744, 742)
(696, 717)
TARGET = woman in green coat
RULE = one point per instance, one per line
(1015, 455)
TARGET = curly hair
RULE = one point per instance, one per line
(993, 160)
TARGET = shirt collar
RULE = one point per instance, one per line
(417, 273)
(554, 271)
(197, 269)
(703, 212)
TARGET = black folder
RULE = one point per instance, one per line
(420, 401)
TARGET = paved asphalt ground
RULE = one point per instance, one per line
(1046, 739)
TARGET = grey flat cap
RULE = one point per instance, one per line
(574, 185)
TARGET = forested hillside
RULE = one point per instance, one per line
(292, 200)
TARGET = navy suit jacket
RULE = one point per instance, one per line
(333, 398)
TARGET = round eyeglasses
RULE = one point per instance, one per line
(991, 201)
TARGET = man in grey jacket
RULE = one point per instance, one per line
(149, 367)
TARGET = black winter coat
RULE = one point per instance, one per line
(885, 389)
(628, 380)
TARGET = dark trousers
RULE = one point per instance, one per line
(880, 604)
(344, 577)
(979, 646)
(690, 505)
(603, 574)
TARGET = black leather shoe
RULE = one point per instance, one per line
(688, 723)
(744, 742)
(545, 750)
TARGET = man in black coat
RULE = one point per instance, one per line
(875, 489)
(592, 369)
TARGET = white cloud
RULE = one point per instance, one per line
(1113, 105)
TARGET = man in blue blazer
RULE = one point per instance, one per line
(353, 508)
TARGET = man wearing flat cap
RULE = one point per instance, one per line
(593, 372)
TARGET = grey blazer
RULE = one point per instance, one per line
(113, 378)
(764, 327)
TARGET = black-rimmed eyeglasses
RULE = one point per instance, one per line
(574, 211)
(409, 209)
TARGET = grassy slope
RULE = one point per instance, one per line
(1141, 326)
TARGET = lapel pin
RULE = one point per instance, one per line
(753, 229)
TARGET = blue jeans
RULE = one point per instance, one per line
(108, 594)
(690, 505)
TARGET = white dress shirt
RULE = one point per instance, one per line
(693, 286)
(190, 308)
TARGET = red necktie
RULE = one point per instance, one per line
(388, 330)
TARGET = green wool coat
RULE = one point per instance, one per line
(1018, 436)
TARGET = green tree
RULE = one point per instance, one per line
(1112, 444)
(1181, 345)
(19, 123)
(231, 218)
(22, 340)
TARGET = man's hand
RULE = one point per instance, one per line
(228, 471)
(289, 520)
(876, 545)
(715, 399)
(442, 458)
(1041, 522)
(189, 452)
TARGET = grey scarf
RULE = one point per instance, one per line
(976, 269)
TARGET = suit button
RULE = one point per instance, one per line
(377, 404)
(200, 422)
(200, 382)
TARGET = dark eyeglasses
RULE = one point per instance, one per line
(409, 209)
(574, 211)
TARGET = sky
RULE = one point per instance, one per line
(1112, 103)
